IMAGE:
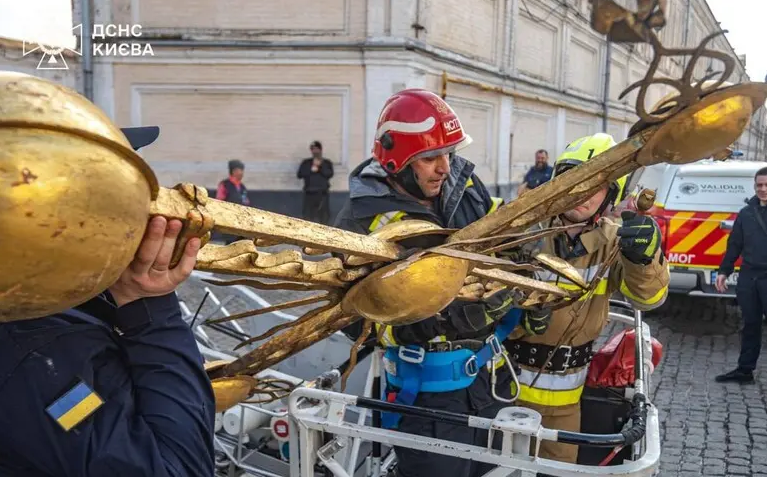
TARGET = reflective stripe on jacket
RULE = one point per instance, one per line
(463, 200)
(645, 287)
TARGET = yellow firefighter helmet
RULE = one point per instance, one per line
(583, 149)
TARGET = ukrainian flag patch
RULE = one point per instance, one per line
(75, 406)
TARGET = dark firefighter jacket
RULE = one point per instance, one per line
(464, 199)
(99, 391)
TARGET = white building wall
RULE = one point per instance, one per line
(260, 80)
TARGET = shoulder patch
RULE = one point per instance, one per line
(75, 406)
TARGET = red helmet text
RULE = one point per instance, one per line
(416, 123)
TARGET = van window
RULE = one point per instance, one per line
(651, 177)
(633, 179)
(709, 193)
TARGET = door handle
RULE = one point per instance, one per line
(726, 224)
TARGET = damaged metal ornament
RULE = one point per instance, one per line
(75, 200)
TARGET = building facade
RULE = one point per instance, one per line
(258, 81)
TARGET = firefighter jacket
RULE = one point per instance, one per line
(645, 287)
(373, 203)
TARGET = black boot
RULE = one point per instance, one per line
(736, 376)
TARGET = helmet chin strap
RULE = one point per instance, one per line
(408, 180)
(611, 195)
(565, 247)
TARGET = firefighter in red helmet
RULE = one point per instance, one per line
(415, 173)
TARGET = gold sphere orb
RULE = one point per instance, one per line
(705, 132)
(669, 100)
(705, 128)
(232, 390)
(74, 198)
(405, 293)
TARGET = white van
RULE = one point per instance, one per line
(695, 206)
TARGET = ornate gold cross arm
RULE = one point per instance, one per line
(559, 194)
(256, 223)
(244, 259)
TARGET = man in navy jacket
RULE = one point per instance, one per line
(115, 386)
(747, 239)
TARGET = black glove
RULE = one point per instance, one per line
(472, 316)
(536, 322)
(639, 237)
(497, 305)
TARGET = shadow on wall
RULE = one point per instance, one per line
(289, 202)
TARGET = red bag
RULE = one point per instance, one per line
(613, 365)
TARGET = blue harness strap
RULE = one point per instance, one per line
(412, 370)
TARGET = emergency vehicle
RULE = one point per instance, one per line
(695, 206)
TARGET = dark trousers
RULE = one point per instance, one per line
(752, 299)
(317, 207)
(416, 463)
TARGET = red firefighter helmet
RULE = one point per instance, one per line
(416, 123)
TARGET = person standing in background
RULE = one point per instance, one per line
(746, 240)
(233, 190)
(538, 174)
(316, 173)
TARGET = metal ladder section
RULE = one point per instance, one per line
(315, 413)
(324, 441)
(240, 457)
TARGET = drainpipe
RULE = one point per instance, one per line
(606, 98)
(87, 48)
(417, 21)
(686, 31)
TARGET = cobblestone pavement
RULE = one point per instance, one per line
(707, 428)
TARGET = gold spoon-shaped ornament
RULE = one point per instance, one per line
(75, 200)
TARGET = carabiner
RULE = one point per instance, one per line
(494, 379)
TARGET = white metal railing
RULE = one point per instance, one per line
(314, 411)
